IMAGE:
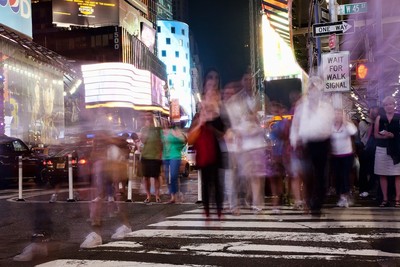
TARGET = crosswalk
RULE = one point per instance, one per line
(339, 237)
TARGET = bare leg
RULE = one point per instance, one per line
(383, 181)
(147, 187)
(157, 187)
(295, 185)
(397, 182)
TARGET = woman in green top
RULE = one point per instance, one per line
(173, 142)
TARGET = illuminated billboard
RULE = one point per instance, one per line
(278, 58)
(122, 85)
(86, 13)
(17, 15)
(148, 36)
(278, 13)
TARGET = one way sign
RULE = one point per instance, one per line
(339, 27)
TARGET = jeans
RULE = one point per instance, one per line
(171, 171)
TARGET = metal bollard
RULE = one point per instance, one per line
(130, 176)
(20, 179)
(199, 191)
(70, 180)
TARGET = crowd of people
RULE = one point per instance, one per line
(318, 147)
(304, 150)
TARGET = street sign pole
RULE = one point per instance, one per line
(337, 99)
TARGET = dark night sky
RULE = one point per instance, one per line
(220, 28)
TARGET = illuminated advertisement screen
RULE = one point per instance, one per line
(17, 15)
(118, 84)
(85, 12)
(157, 92)
(148, 36)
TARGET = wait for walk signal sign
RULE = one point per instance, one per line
(336, 72)
(339, 27)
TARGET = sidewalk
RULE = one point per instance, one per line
(86, 193)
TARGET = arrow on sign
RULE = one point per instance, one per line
(340, 27)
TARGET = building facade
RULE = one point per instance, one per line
(174, 50)
(119, 32)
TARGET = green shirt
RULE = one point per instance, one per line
(152, 144)
(172, 145)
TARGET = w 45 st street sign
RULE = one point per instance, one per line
(339, 27)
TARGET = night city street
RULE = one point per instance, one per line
(199, 133)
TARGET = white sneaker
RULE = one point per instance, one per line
(53, 198)
(97, 199)
(257, 210)
(343, 202)
(276, 211)
(31, 251)
(121, 232)
(92, 240)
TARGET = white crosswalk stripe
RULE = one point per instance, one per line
(339, 234)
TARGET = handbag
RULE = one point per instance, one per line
(205, 145)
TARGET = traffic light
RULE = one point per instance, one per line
(364, 71)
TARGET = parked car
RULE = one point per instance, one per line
(184, 168)
(10, 150)
(191, 156)
(56, 167)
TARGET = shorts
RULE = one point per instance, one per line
(151, 167)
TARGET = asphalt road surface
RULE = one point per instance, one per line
(179, 234)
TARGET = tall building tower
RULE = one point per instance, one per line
(174, 50)
(180, 10)
(164, 9)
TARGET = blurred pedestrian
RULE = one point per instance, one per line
(295, 169)
(342, 156)
(42, 235)
(228, 153)
(104, 187)
(114, 169)
(310, 135)
(205, 132)
(280, 156)
(242, 109)
(151, 154)
(367, 177)
(174, 140)
(387, 154)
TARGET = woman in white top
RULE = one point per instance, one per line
(342, 155)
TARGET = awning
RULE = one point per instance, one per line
(41, 54)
